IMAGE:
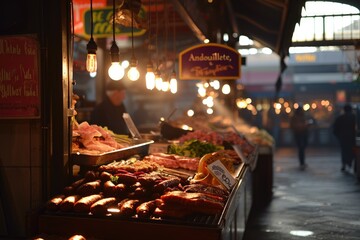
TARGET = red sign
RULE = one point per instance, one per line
(80, 7)
(209, 61)
(19, 77)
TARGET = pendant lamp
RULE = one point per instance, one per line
(116, 71)
(133, 73)
(91, 61)
(150, 75)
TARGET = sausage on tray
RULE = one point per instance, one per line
(128, 207)
(89, 188)
(54, 203)
(99, 208)
(68, 203)
(84, 204)
(146, 209)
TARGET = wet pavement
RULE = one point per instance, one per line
(319, 202)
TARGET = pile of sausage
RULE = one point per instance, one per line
(135, 194)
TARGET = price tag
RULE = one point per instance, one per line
(131, 126)
(219, 171)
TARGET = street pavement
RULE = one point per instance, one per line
(318, 202)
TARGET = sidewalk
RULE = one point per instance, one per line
(320, 202)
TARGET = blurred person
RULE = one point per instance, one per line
(344, 129)
(300, 128)
(109, 113)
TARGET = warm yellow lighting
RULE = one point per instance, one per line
(150, 80)
(259, 107)
(186, 127)
(173, 83)
(201, 91)
(133, 73)
(288, 110)
(248, 100)
(150, 77)
(91, 62)
(209, 101)
(116, 71)
(158, 81)
(190, 112)
(165, 86)
(313, 106)
(226, 89)
(93, 74)
(125, 64)
(277, 106)
(296, 105)
(240, 103)
(306, 107)
(215, 84)
(209, 111)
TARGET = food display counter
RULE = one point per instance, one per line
(185, 189)
(230, 224)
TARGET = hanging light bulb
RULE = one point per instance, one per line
(116, 71)
(133, 73)
(173, 82)
(165, 86)
(150, 76)
(158, 80)
(91, 61)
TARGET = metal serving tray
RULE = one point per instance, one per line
(139, 146)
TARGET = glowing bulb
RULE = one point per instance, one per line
(165, 86)
(190, 112)
(215, 84)
(91, 62)
(150, 76)
(173, 83)
(150, 80)
(93, 74)
(158, 81)
(226, 89)
(116, 71)
(133, 74)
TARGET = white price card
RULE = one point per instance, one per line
(131, 126)
(219, 171)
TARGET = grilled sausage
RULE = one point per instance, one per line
(128, 208)
(89, 188)
(145, 209)
(68, 203)
(54, 203)
(99, 208)
(84, 204)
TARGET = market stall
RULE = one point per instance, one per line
(180, 197)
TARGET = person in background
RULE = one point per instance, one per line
(345, 131)
(300, 128)
(109, 113)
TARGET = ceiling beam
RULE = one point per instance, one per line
(186, 15)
